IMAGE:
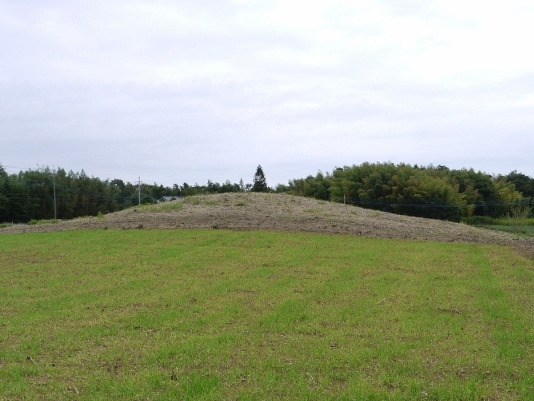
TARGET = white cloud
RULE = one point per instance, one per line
(212, 88)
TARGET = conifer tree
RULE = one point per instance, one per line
(260, 183)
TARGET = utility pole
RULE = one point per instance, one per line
(139, 190)
(55, 208)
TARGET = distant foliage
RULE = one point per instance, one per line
(29, 195)
(313, 187)
(431, 192)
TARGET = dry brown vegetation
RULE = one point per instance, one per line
(275, 212)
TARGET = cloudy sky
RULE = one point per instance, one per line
(192, 90)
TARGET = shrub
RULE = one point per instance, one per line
(480, 221)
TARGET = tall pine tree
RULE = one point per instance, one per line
(260, 184)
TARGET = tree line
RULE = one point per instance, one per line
(424, 191)
(29, 195)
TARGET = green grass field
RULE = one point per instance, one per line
(523, 230)
(519, 226)
(212, 314)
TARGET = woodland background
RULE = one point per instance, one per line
(423, 191)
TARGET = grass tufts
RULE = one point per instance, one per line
(215, 314)
(46, 221)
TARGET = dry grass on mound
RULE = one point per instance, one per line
(279, 212)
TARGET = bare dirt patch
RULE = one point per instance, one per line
(275, 212)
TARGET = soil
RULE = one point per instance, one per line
(280, 212)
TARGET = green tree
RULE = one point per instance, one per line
(312, 187)
(423, 192)
(480, 191)
(259, 183)
(524, 184)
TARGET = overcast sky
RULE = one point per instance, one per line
(176, 91)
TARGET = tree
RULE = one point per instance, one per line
(260, 184)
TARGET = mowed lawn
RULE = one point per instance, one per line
(222, 315)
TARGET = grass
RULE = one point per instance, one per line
(212, 314)
(193, 200)
(526, 230)
(522, 226)
(44, 221)
(166, 206)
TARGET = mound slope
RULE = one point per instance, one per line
(280, 212)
